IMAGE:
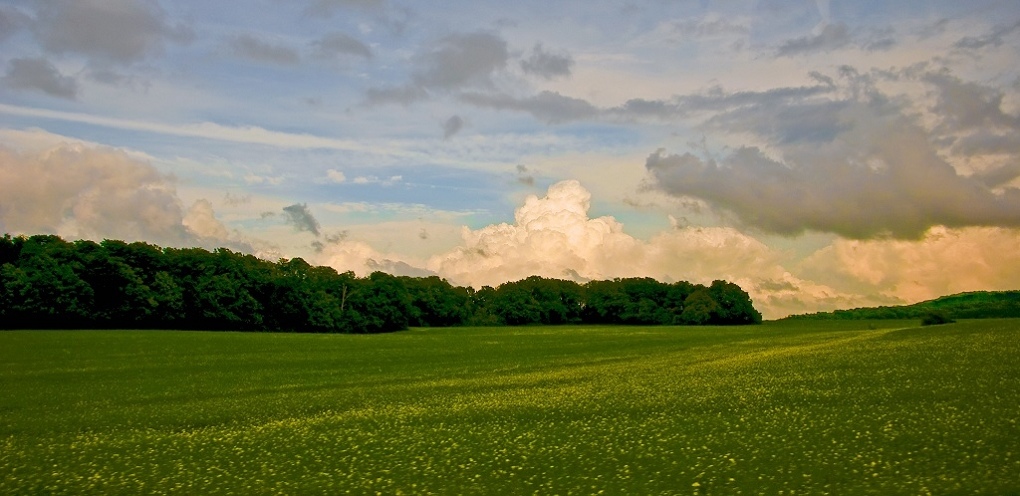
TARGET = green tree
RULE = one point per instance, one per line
(514, 305)
(44, 290)
(120, 297)
(735, 305)
(168, 297)
(224, 303)
(435, 302)
(699, 308)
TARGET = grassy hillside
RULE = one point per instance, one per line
(975, 305)
(812, 407)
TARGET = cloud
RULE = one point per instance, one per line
(452, 126)
(328, 7)
(554, 108)
(909, 190)
(301, 218)
(461, 60)
(336, 45)
(553, 236)
(210, 131)
(80, 191)
(831, 37)
(824, 11)
(966, 106)
(390, 181)
(119, 31)
(335, 176)
(402, 95)
(547, 65)
(11, 21)
(708, 27)
(454, 62)
(995, 38)
(258, 50)
(944, 261)
(235, 200)
(547, 106)
(549, 236)
(201, 221)
(359, 257)
(523, 175)
(40, 75)
(972, 118)
(848, 160)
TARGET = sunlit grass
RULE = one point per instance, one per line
(791, 408)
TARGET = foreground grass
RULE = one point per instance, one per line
(791, 408)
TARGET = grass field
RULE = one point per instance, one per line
(782, 408)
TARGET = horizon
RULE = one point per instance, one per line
(821, 154)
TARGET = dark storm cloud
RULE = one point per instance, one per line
(301, 218)
(40, 75)
(547, 65)
(341, 44)
(258, 50)
(119, 31)
(860, 168)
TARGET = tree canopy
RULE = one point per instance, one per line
(47, 282)
(971, 305)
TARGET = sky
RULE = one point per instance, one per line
(822, 154)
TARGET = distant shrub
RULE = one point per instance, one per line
(935, 317)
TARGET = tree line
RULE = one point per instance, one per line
(971, 305)
(47, 282)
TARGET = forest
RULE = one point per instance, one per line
(47, 282)
(970, 305)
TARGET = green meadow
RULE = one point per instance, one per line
(798, 407)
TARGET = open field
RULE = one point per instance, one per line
(783, 408)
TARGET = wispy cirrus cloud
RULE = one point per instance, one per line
(205, 130)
